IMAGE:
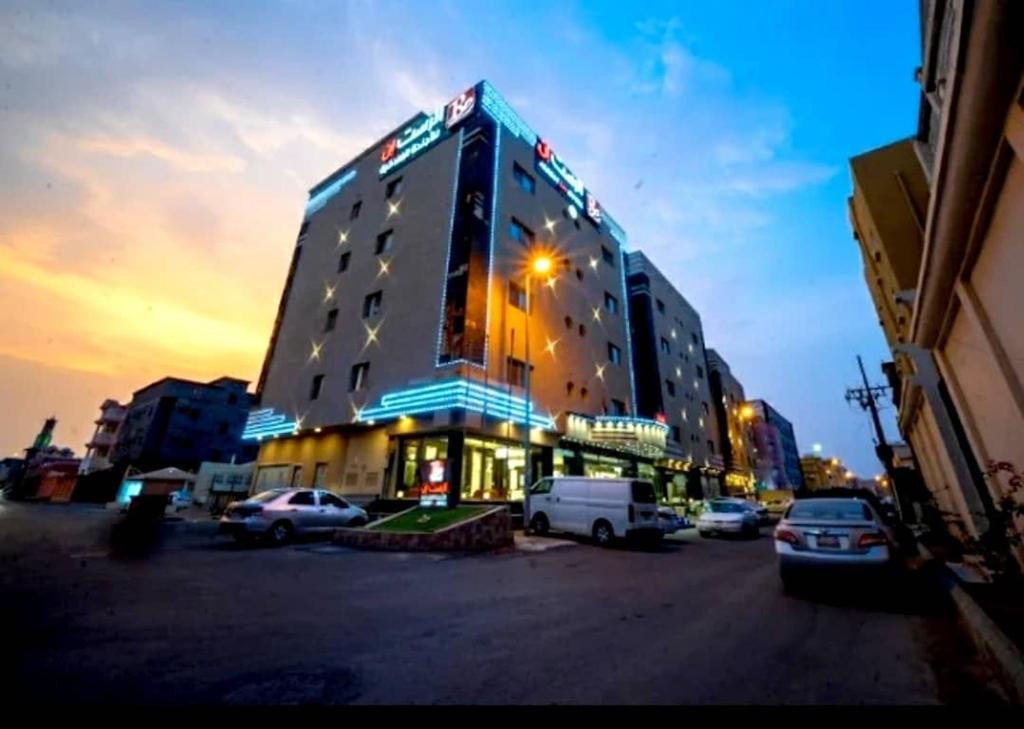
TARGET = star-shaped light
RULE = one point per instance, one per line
(342, 237)
(299, 419)
(315, 354)
(596, 313)
(550, 346)
(393, 208)
(679, 372)
(549, 225)
(551, 283)
(673, 333)
(371, 334)
(600, 371)
(328, 292)
(593, 263)
(385, 267)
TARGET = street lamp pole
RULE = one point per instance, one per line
(526, 426)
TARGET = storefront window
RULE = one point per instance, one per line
(596, 466)
(416, 454)
(492, 471)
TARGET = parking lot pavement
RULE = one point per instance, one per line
(202, 620)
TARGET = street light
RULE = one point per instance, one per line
(540, 264)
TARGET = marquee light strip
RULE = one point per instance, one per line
(320, 199)
(266, 422)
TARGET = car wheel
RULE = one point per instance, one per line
(753, 532)
(280, 533)
(539, 524)
(603, 533)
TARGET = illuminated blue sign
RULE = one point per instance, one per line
(454, 394)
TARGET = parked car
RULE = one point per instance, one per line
(728, 516)
(763, 516)
(602, 508)
(282, 514)
(830, 535)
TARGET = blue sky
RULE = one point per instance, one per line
(137, 135)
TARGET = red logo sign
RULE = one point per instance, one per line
(543, 150)
(660, 418)
(389, 150)
(460, 107)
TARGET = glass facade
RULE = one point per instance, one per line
(492, 470)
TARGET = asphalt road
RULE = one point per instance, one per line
(697, 621)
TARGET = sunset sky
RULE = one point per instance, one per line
(155, 159)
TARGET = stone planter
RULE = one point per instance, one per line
(489, 530)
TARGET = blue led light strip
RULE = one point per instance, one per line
(494, 227)
(493, 103)
(629, 338)
(266, 422)
(451, 394)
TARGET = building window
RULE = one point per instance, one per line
(666, 348)
(343, 261)
(693, 336)
(520, 233)
(583, 393)
(394, 188)
(372, 304)
(568, 322)
(661, 306)
(569, 387)
(670, 387)
(611, 304)
(517, 295)
(618, 407)
(316, 386)
(356, 207)
(704, 408)
(676, 434)
(516, 372)
(385, 241)
(357, 377)
(700, 372)
(582, 330)
(608, 256)
(332, 319)
(614, 354)
(523, 178)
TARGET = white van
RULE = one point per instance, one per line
(602, 508)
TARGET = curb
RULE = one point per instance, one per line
(987, 636)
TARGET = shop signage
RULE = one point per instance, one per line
(434, 483)
(565, 181)
(411, 142)
(460, 107)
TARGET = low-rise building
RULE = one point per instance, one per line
(97, 450)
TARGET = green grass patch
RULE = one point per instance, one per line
(429, 520)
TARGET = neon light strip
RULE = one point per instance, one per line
(266, 422)
(320, 199)
(448, 252)
(494, 104)
(494, 226)
(451, 394)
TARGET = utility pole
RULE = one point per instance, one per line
(867, 397)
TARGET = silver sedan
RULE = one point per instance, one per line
(829, 535)
(282, 514)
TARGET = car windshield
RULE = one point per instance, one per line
(830, 510)
(265, 496)
(725, 507)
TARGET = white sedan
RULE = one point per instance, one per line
(727, 517)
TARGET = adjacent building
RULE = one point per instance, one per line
(99, 447)
(429, 274)
(672, 379)
(181, 423)
(778, 460)
(939, 221)
(732, 418)
(824, 473)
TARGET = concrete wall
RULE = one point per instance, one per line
(355, 461)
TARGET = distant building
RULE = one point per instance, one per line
(775, 441)
(672, 382)
(97, 450)
(728, 398)
(218, 484)
(823, 473)
(181, 423)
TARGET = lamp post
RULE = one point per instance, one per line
(540, 264)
